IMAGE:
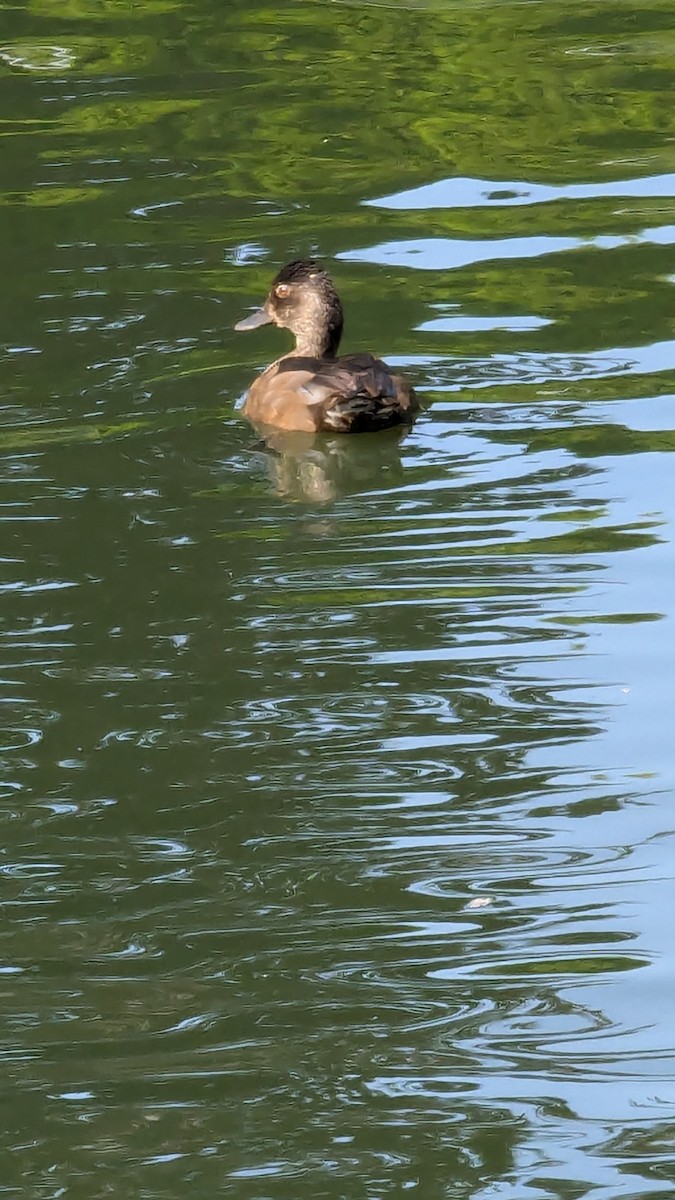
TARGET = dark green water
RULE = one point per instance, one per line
(337, 781)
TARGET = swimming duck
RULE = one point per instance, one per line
(310, 389)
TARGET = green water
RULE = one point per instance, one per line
(337, 777)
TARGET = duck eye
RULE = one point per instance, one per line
(282, 290)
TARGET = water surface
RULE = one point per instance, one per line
(337, 776)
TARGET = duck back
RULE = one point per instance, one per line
(355, 393)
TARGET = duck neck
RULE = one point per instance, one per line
(317, 343)
(318, 328)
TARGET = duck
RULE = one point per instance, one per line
(311, 389)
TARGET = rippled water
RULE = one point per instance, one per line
(337, 775)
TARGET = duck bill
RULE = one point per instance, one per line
(259, 317)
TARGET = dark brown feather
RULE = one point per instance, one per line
(352, 394)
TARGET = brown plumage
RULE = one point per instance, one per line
(310, 389)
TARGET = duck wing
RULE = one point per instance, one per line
(356, 393)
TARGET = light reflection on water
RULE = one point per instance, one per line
(439, 254)
(474, 193)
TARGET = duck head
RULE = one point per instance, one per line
(303, 299)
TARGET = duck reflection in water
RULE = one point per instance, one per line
(317, 468)
(310, 389)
